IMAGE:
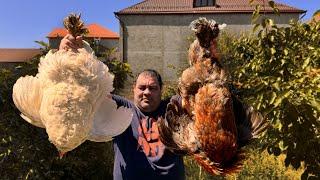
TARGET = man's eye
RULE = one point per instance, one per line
(153, 88)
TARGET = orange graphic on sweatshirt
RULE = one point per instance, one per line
(149, 139)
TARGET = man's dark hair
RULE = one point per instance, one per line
(153, 73)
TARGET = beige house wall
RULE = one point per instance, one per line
(161, 41)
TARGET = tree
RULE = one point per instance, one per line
(279, 73)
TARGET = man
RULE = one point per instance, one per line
(139, 153)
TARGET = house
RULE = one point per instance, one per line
(101, 36)
(153, 33)
(10, 57)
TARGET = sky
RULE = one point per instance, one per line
(24, 21)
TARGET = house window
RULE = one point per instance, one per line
(202, 3)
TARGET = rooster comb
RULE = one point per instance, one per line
(202, 21)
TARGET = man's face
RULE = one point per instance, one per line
(147, 93)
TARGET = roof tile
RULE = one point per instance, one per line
(95, 31)
(186, 6)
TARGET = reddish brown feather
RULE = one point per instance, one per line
(205, 95)
(210, 131)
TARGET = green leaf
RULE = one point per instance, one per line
(18, 67)
(306, 63)
(273, 50)
(255, 28)
(256, 14)
(282, 146)
(271, 4)
(311, 48)
(270, 22)
(271, 38)
(264, 22)
(276, 11)
(281, 97)
(273, 97)
(276, 85)
(315, 104)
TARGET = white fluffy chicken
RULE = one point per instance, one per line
(68, 97)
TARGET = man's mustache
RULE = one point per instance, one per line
(148, 99)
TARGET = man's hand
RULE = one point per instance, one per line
(69, 42)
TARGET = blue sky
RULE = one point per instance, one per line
(24, 21)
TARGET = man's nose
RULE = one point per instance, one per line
(147, 91)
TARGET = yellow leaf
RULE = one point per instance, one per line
(306, 63)
(273, 97)
(281, 98)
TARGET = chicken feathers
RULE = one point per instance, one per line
(209, 123)
(22, 100)
(68, 97)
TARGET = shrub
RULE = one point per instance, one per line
(278, 73)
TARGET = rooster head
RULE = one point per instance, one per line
(206, 31)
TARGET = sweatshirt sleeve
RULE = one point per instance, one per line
(122, 102)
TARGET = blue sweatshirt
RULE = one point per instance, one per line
(139, 153)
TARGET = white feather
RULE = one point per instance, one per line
(67, 96)
(109, 121)
(27, 95)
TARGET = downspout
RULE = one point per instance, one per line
(123, 31)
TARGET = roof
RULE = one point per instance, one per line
(17, 55)
(95, 31)
(186, 7)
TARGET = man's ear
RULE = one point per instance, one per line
(133, 86)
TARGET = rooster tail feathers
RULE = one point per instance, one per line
(250, 123)
(259, 123)
(232, 166)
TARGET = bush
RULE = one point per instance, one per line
(121, 73)
(278, 73)
(121, 70)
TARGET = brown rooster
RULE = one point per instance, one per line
(209, 122)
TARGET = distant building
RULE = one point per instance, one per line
(153, 33)
(97, 34)
(9, 57)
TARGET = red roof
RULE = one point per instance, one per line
(17, 55)
(95, 31)
(187, 7)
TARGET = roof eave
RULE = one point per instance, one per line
(203, 12)
(87, 37)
